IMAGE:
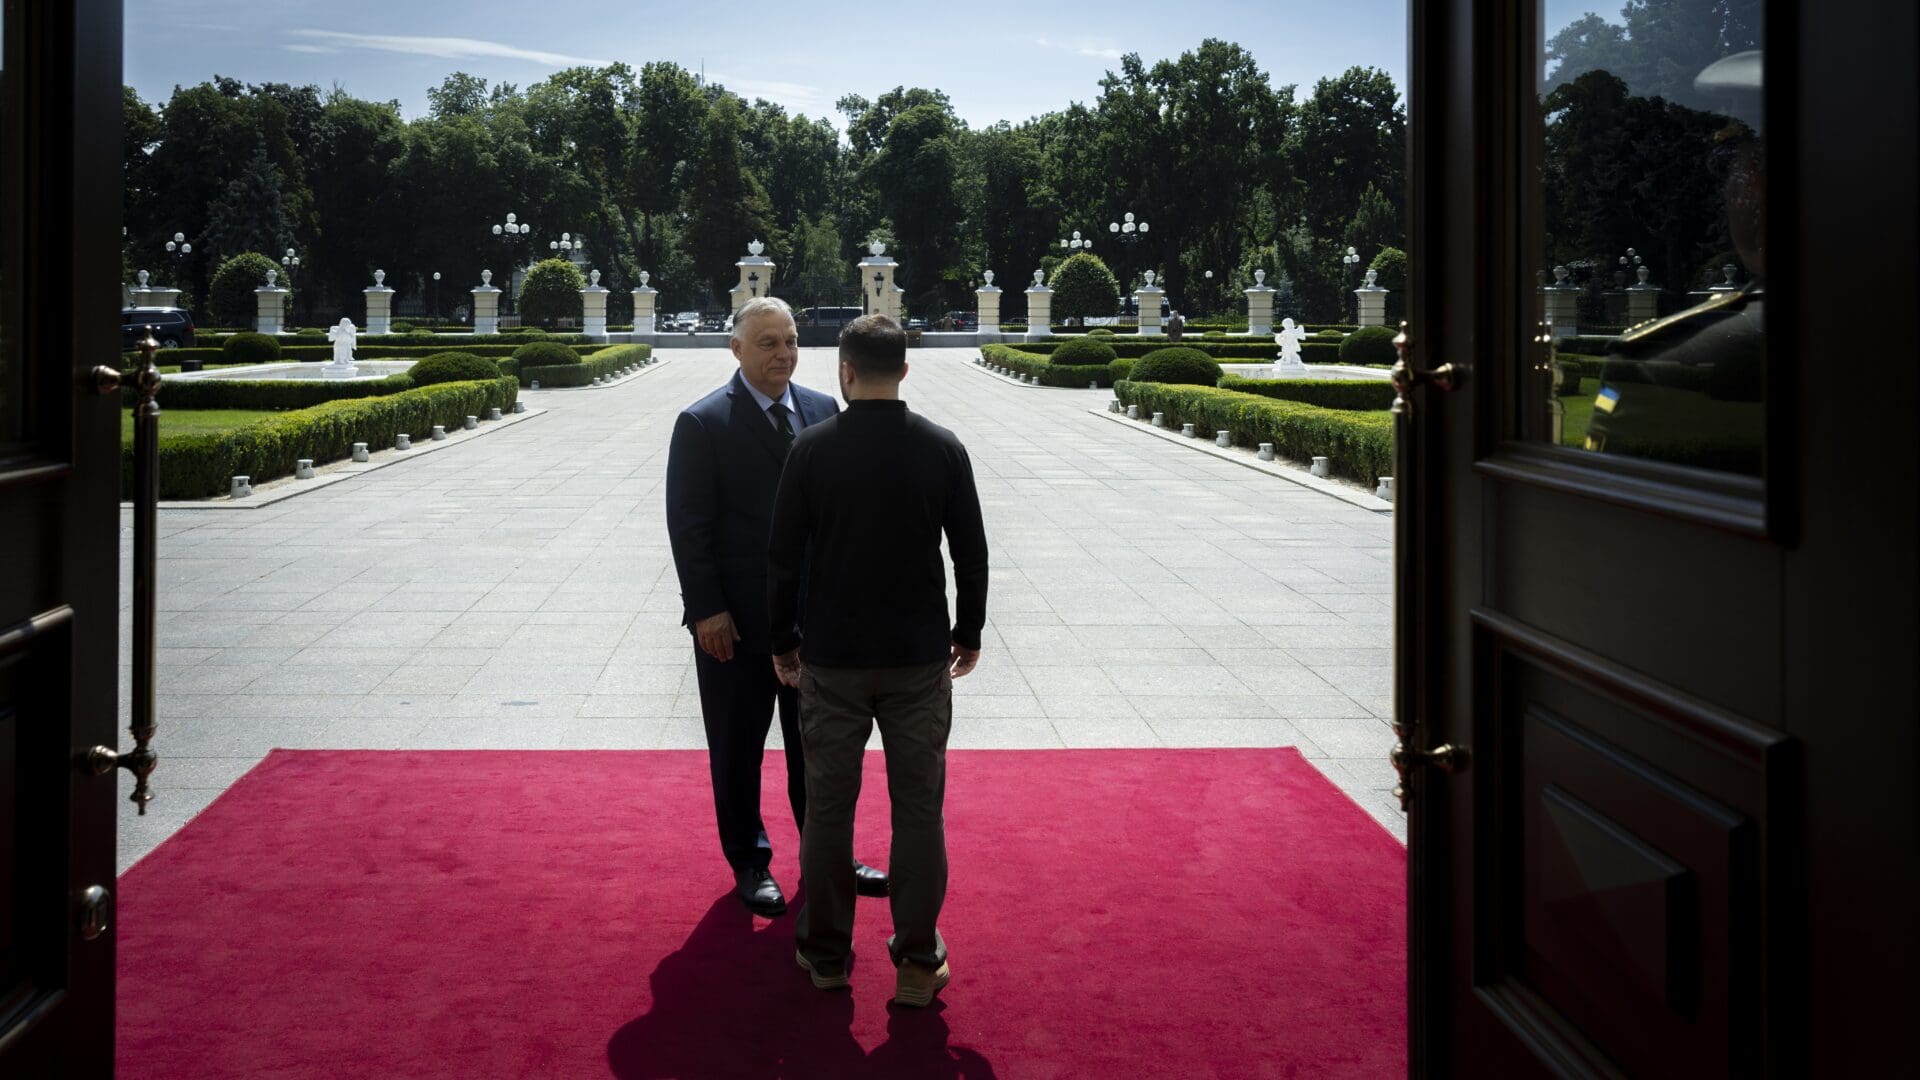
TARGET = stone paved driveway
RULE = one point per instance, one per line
(517, 591)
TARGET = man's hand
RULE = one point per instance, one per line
(961, 660)
(787, 666)
(716, 635)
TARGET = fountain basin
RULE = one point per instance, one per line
(363, 370)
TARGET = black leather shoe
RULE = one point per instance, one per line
(867, 881)
(756, 888)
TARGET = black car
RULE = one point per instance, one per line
(172, 326)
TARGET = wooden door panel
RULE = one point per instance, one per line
(33, 839)
(1643, 589)
(1630, 864)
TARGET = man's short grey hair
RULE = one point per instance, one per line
(756, 307)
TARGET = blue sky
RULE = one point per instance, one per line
(996, 60)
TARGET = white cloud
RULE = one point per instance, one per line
(446, 48)
(309, 49)
(1098, 52)
(797, 97)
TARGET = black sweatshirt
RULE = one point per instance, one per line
(862, 503)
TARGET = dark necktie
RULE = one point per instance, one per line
(779, 414)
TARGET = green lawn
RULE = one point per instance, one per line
(194, 421)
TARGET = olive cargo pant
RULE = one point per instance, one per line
(838, 709)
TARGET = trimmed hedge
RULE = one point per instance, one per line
(198, 466)
(1082, 352)
(1369, 345)
(413, 349)
(449, 367)
(540, 354)
(1049, 374)
(605, 362)
(514, 337)
(1360, 395)
(187, 394)
(1177, 364)
(1243, 349)
(1356, 444)
(249, 348)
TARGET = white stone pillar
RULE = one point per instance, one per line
(145, 295)
(270, 305)
(756, 276)
(486, 305)
(593, 308)
(988, 298)
(1560, 305)
(1147, 297)
(876, 281)
(1643, 300)
(643, 301)
(1260, 305)
(379, 305)
(1370, 301)
(1039, 309)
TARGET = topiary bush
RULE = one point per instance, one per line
(1368, 345)
(1083, 286)
(250, 348)
(1390, 273)
(452, 367)
(400, 326)
(531, 332)
(1177, 365)
(1080, 352)
(551, 292)
(1100, 331)
(310, 331)
(544, 354)
(230, 293)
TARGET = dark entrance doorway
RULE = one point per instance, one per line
(59, 532)
(1657, 586)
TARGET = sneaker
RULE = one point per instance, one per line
(915, 984)
(822, 980)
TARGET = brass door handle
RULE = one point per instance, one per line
(1446, 757)
(1405, 376)
(144, 380)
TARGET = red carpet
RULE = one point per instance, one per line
(1112, 913)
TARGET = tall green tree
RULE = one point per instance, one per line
(726, 206)
(666, 139)
(915, 176)
(250, 215)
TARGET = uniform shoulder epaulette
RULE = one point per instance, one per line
(1725, 302)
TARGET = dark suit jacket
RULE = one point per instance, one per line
(723, 469)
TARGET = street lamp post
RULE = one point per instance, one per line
(753, 284)
(879, 281)
(178, 248)
(1208, 275)
(434, 302)
(290, 262)
(1128, 232)
(1351, 261)
(566, 245)
(1077, 244)
(512, 227)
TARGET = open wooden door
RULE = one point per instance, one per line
(1657, 598)
(59, 531)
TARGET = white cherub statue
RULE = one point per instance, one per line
(342, 336)
(1289, 339)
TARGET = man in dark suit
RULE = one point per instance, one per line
(866, 496)
(723, 468)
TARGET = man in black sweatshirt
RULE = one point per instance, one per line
(863, 501)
